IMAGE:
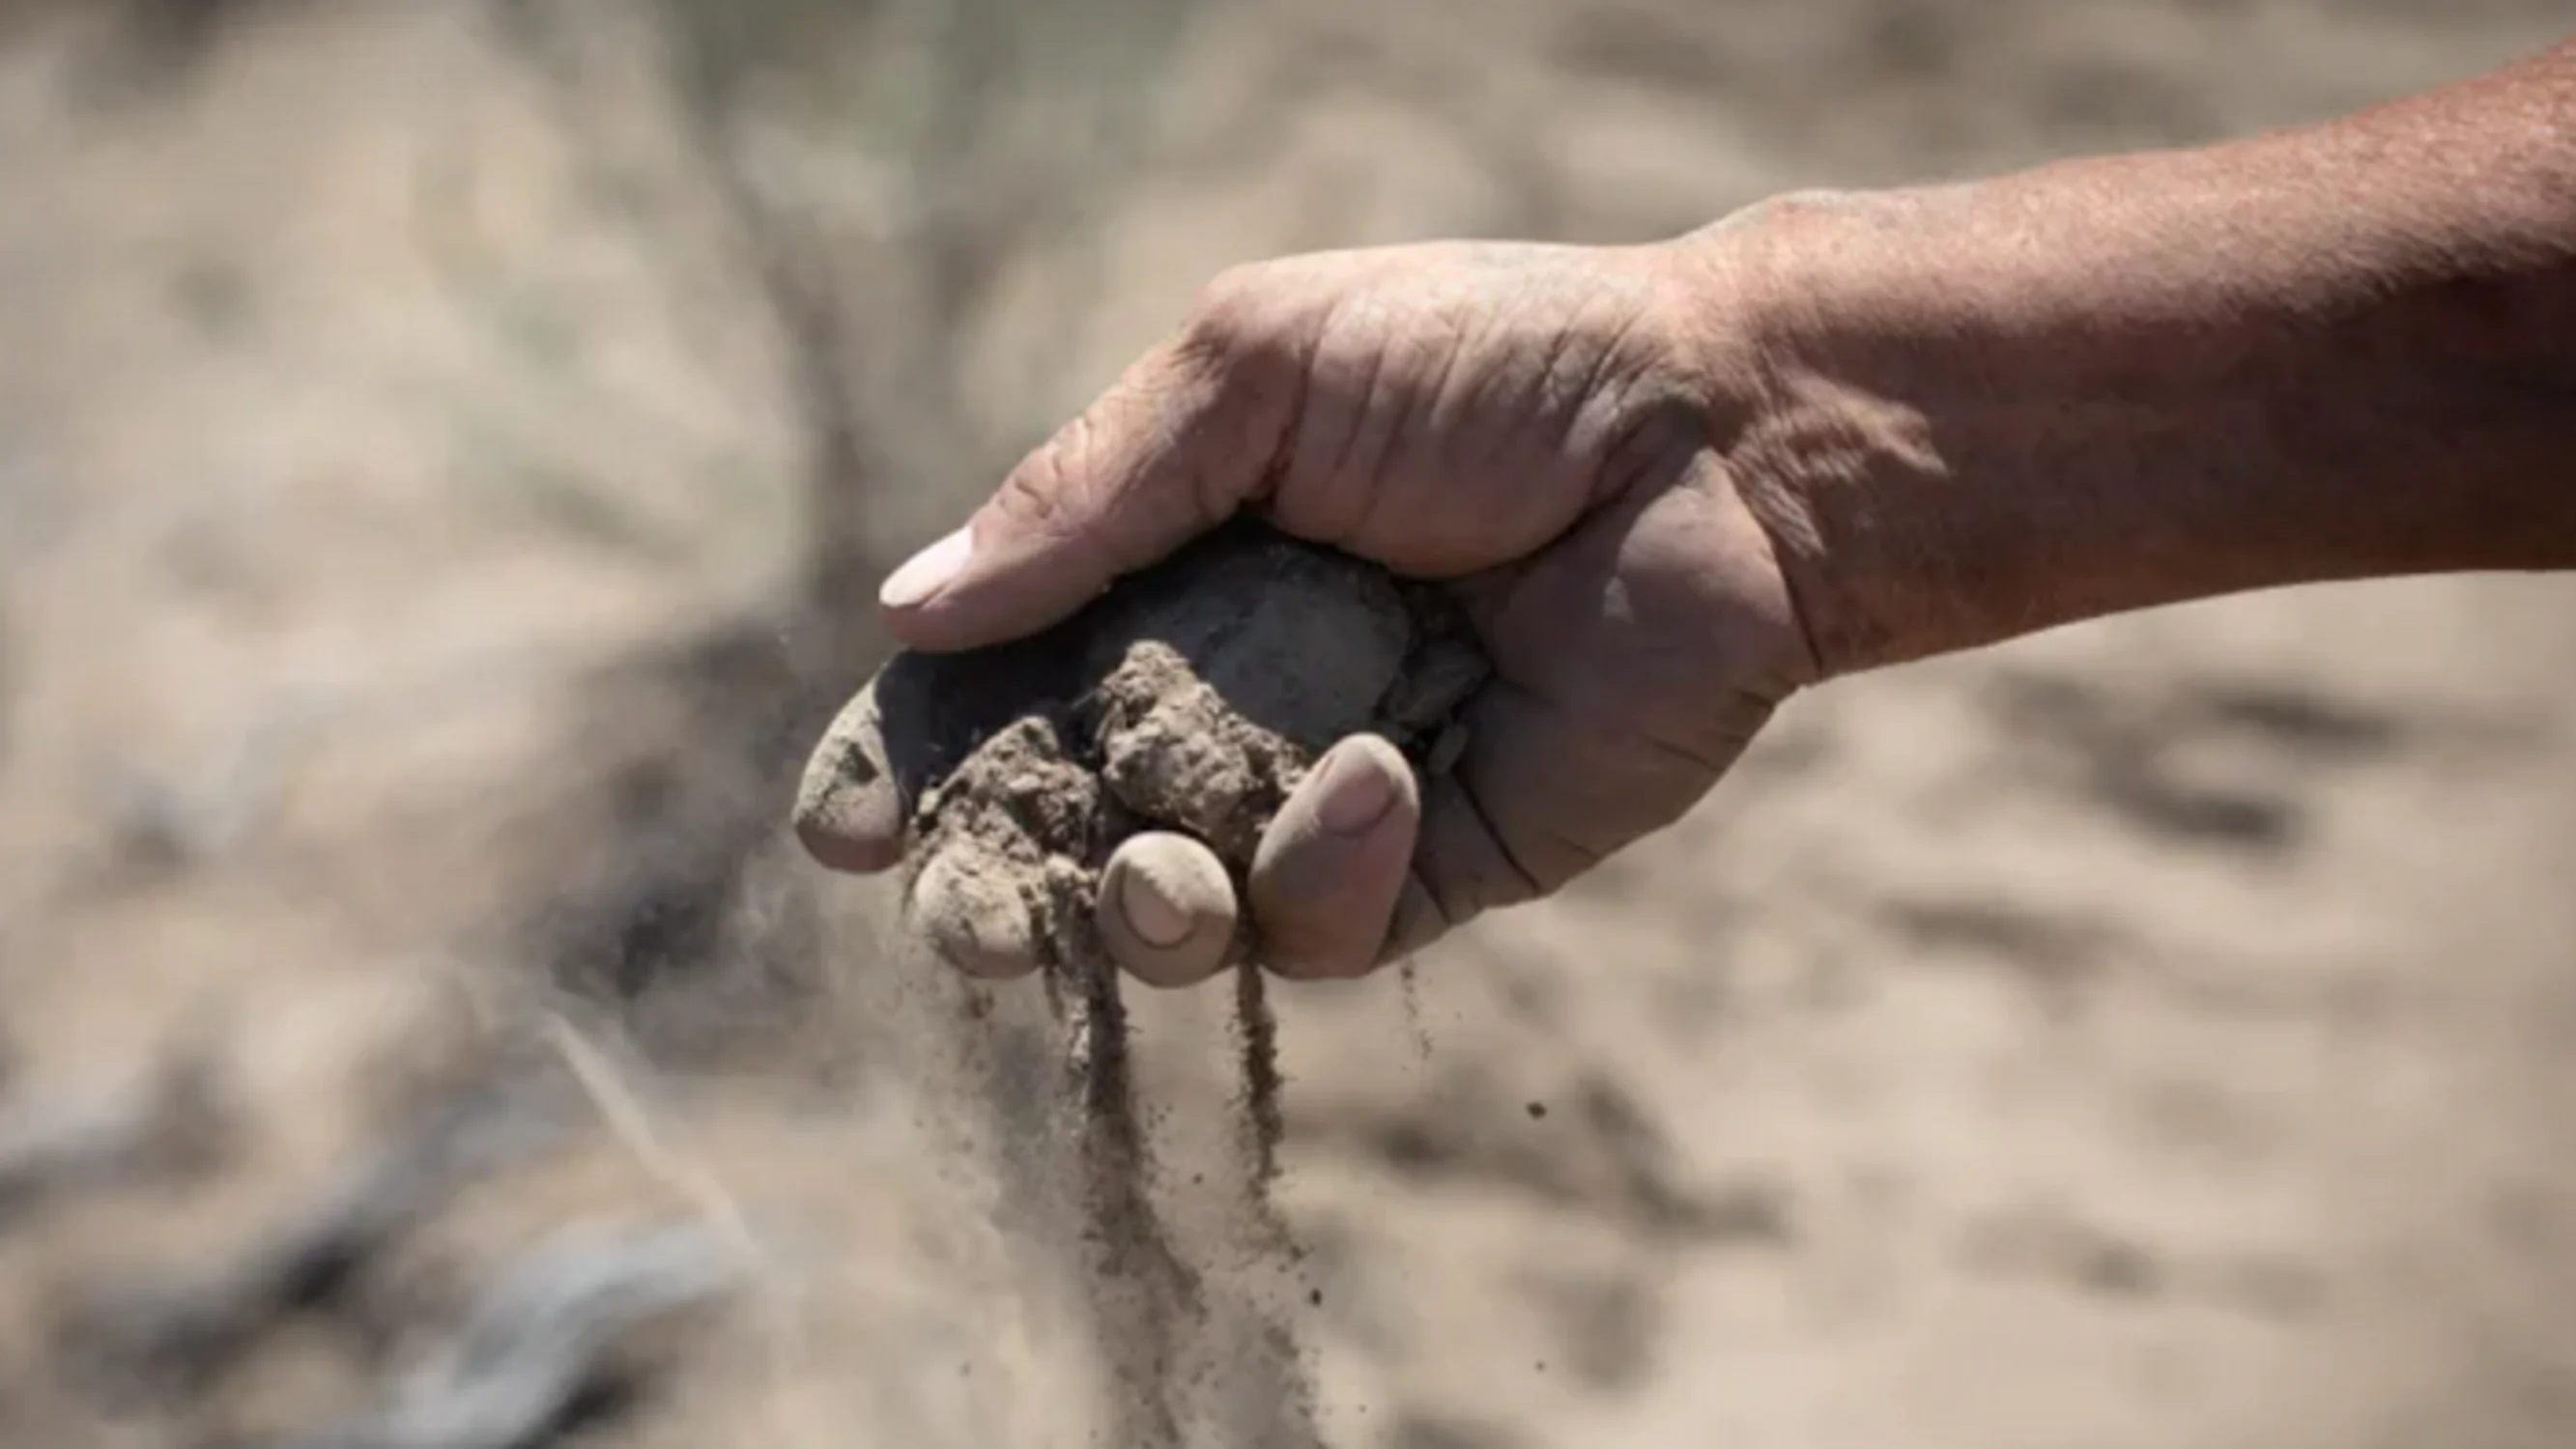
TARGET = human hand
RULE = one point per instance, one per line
(1670, 484)
(1536, 426)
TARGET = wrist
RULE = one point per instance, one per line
(1968, 412)
(1863, 357)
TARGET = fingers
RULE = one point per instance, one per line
(1171, 450)
(849, 808)
(972, 917)
(1166, 909)
(1328, 871)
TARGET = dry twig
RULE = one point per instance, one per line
(542, 1339)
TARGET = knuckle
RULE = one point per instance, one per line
(1038, 494)
(1244, 328)
(1226, 304)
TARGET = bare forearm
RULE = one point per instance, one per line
(2339, 352)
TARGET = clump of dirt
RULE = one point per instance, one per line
(1190, 699)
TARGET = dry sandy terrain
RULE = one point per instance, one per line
(428, 516)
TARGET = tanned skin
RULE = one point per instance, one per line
(2338, 352)
(1675, 483)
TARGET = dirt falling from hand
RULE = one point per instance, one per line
(1277, 1373)
(1188, 701)
(1257, 1030)
(1143, 1297)
(1183, 1343)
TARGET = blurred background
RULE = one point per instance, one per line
(447, 452)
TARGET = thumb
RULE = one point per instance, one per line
(1171, 450)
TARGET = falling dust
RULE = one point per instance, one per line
(1189, 699)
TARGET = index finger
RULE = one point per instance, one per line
(849, 807)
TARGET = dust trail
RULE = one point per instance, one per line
(1143, 1298)
(1207, 1342)
(1274, 1387)
(1264, 1127)
(1413, 1018)
(1186, 702)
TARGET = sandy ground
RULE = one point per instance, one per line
(2151, 1034)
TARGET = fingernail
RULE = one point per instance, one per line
(928, 571)
(1356, 792)
(1155, 917)
(1166, 910)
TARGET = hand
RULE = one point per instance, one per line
(1536, 425)
(1948, 416)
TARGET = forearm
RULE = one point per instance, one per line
(2340, 352)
